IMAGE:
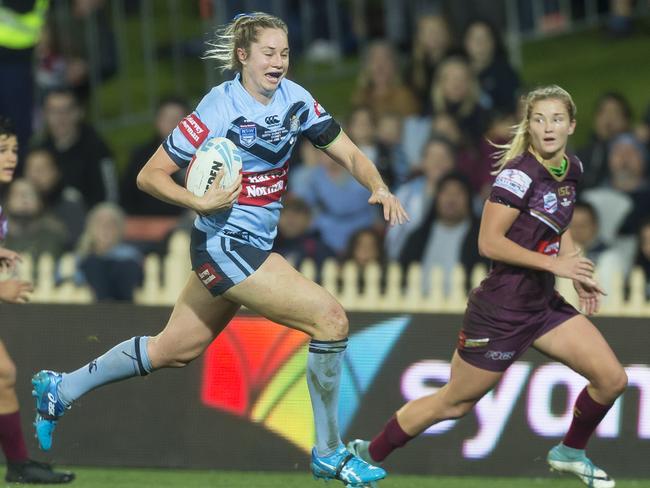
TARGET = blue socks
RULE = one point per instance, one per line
(323, 379)
(125, 360)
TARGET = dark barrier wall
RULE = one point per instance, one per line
(244, 403)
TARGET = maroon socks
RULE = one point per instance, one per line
(389, 439)
(587, 414)
(11, 438)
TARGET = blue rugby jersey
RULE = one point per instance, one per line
(265, 136)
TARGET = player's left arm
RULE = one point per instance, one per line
(589, 295)
(347, 154)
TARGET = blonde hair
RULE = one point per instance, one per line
(241, 32)
(521, 139)
(86, 242)
(438, 96)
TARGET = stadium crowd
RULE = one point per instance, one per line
(432, 125)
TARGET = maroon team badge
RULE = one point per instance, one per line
(550, 202)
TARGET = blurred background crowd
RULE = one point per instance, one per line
(424, 88)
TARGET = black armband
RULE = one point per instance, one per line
(323, 133)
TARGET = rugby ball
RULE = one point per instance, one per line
(214, 155)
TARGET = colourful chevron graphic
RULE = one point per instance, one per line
(256, 369)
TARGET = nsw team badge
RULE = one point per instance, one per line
(247, 134)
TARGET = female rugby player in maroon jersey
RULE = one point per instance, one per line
(524, 231)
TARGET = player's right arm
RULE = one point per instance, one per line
(155, 178)
(493, 244)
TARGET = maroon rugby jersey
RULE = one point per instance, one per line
(546, 207)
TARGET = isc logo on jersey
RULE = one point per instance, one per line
(214, 155)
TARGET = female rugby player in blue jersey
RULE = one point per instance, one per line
(524, 232)
(20, 469)
(263, 113)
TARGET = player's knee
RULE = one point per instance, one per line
(618, 382)
(7, 375)
(334, 324)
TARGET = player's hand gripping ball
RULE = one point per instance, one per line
(214, 155)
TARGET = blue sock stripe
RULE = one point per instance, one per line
(146, 363)
(138, 356)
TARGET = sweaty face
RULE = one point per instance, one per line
(550, 127)
(8, 157)
(265, 63)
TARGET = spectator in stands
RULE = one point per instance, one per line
(391, 160)
(456, 92)
(84, 158)
(111, 267)
(416, 195)
(489, 61)
(643, 129)
(623, 202)
(477, 162)
(627, 165)
(365, 247)
(32, 229)
(432, 43)
(63, 202)
(585, 231)
(642, 258)
(447, 235)
(169, 113)
(361, 126)
(339, 202)
(296, 240)
(381, 141)
(379, 84)
(613, 116)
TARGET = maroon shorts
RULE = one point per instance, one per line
(493, 337)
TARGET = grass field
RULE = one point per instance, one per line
(145, 478)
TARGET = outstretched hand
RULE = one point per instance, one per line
(15, 291)
(394, 213)
(589, 296)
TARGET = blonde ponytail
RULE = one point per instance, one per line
(241, 32)
(521, 138)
